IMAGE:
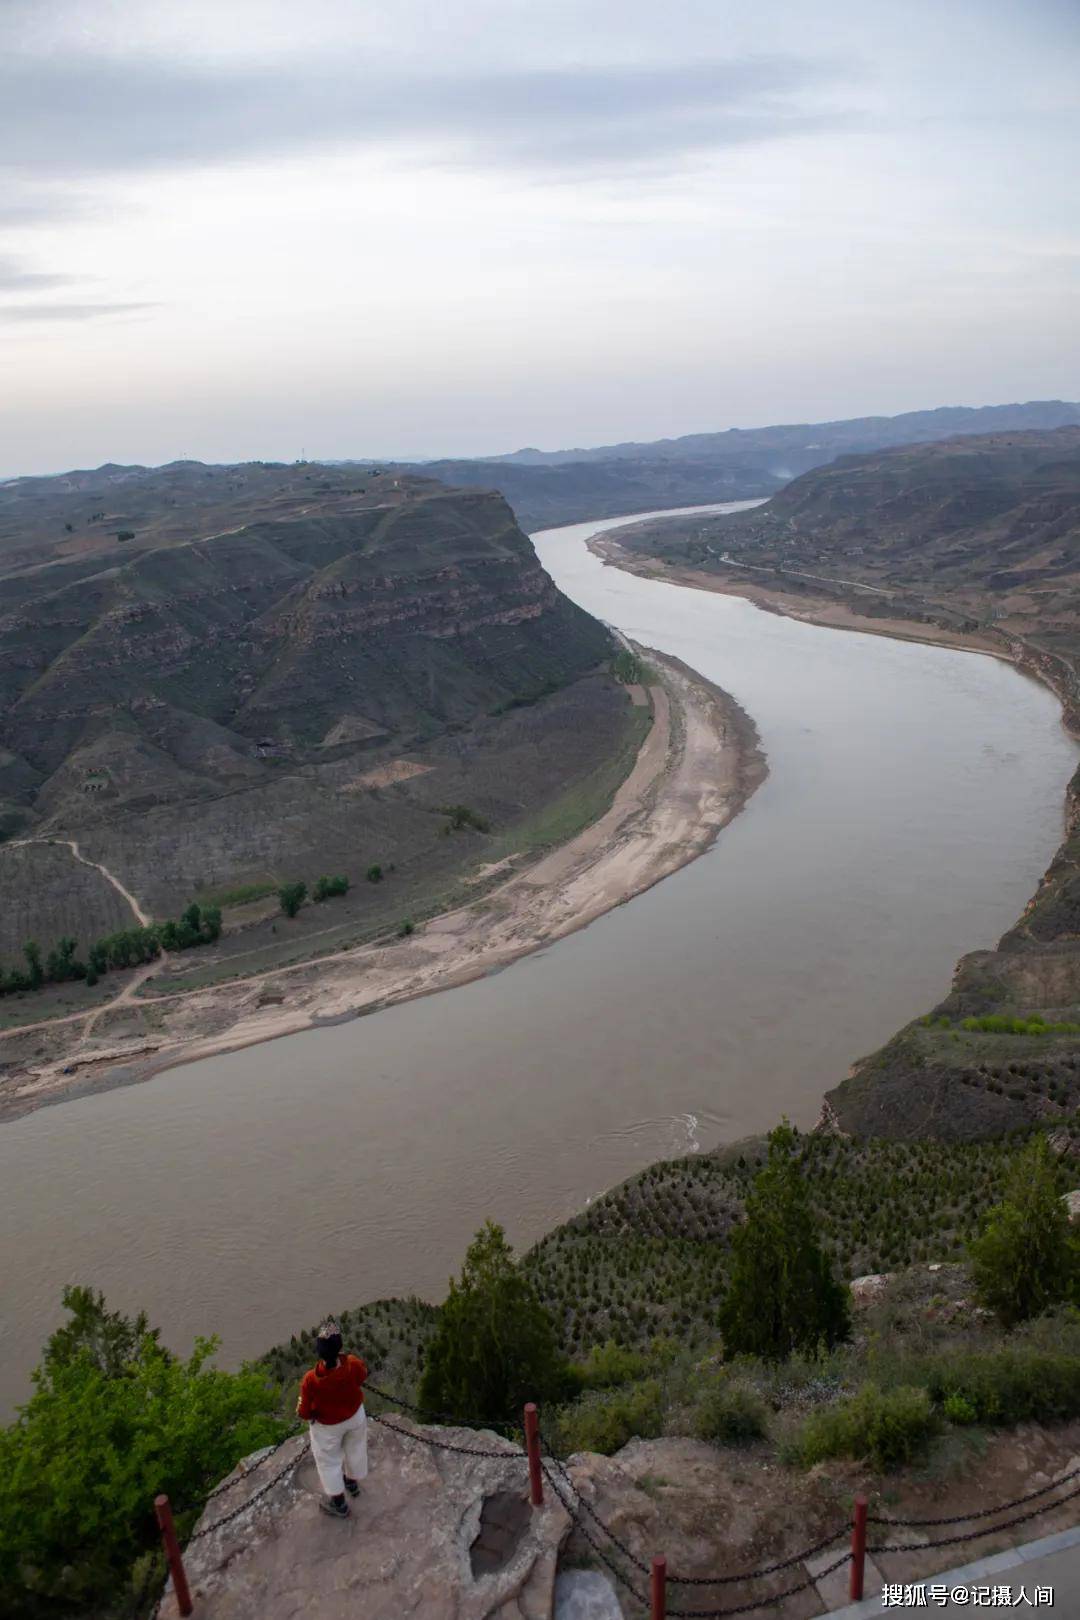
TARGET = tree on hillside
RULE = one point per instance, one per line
(495, 1346)
(327, 888)
(113, 1420)
(61, 963)
(291, 897)
(32, 952)
(211, 923)
(782, 1294)
(1026, 1257)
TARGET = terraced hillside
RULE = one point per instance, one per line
(650, 1257)
(214, 707)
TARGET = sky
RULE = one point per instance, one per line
(241, 229)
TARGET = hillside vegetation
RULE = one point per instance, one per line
(650, 1258)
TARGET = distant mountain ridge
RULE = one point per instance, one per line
(841, 437)
(565, 486)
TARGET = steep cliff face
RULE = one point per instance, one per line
(392, 622)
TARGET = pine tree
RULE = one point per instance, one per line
(1026, 1257)
(291, 897)
(495, 1346)
(782, 1294)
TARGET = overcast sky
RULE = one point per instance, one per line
(249, 228)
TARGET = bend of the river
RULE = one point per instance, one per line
(914, 799)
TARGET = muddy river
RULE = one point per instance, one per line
(914, 799)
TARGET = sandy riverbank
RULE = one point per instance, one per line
(697, 767)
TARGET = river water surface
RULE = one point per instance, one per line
(914, 800)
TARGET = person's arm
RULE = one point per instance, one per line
(360, 1370)
(305, 1406)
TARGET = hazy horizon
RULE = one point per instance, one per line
(488, 455)
(242, 230)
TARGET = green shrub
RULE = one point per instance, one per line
(610, 1364)
(886, 1427)
(291, 897)
(462, 816)
(731, 1411)
(958, 1409)
(604, 1420)
(327, 888)
(113, 1420)
(374, 873)
(1003, 1024)
(627, 667)
(1016, 1384)
(1026, 1257)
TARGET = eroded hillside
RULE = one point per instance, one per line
(282, 673)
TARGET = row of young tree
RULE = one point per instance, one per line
(291, 896)
(496, 1344)
(128, 947)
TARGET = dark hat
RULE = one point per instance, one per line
(328, 1341)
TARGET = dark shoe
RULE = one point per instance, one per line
(352, 1485)
(336, 1506)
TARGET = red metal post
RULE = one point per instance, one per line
(659, 1587)
(532, 1446)
(858, 1550)
(172, 1553)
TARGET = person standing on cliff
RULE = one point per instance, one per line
(332, 1400)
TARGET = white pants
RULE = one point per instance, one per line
(340, 1448)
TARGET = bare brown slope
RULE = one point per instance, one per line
(297, 694)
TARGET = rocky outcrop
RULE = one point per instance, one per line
(435, 1534)
(444, 1534)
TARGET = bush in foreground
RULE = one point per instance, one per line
(604, 1420)
(1015, 1384)
(1026, 1258)
(884, 1427)
(731, 1411)
(113, 1420)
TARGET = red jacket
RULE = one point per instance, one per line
(330, 1395)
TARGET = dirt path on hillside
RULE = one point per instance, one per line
(141, 917)
(697, 767)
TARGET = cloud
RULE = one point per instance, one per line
(10, 314)
(14, 278)
(73, 113)
(27, 205)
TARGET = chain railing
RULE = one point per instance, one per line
(624, 1565)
